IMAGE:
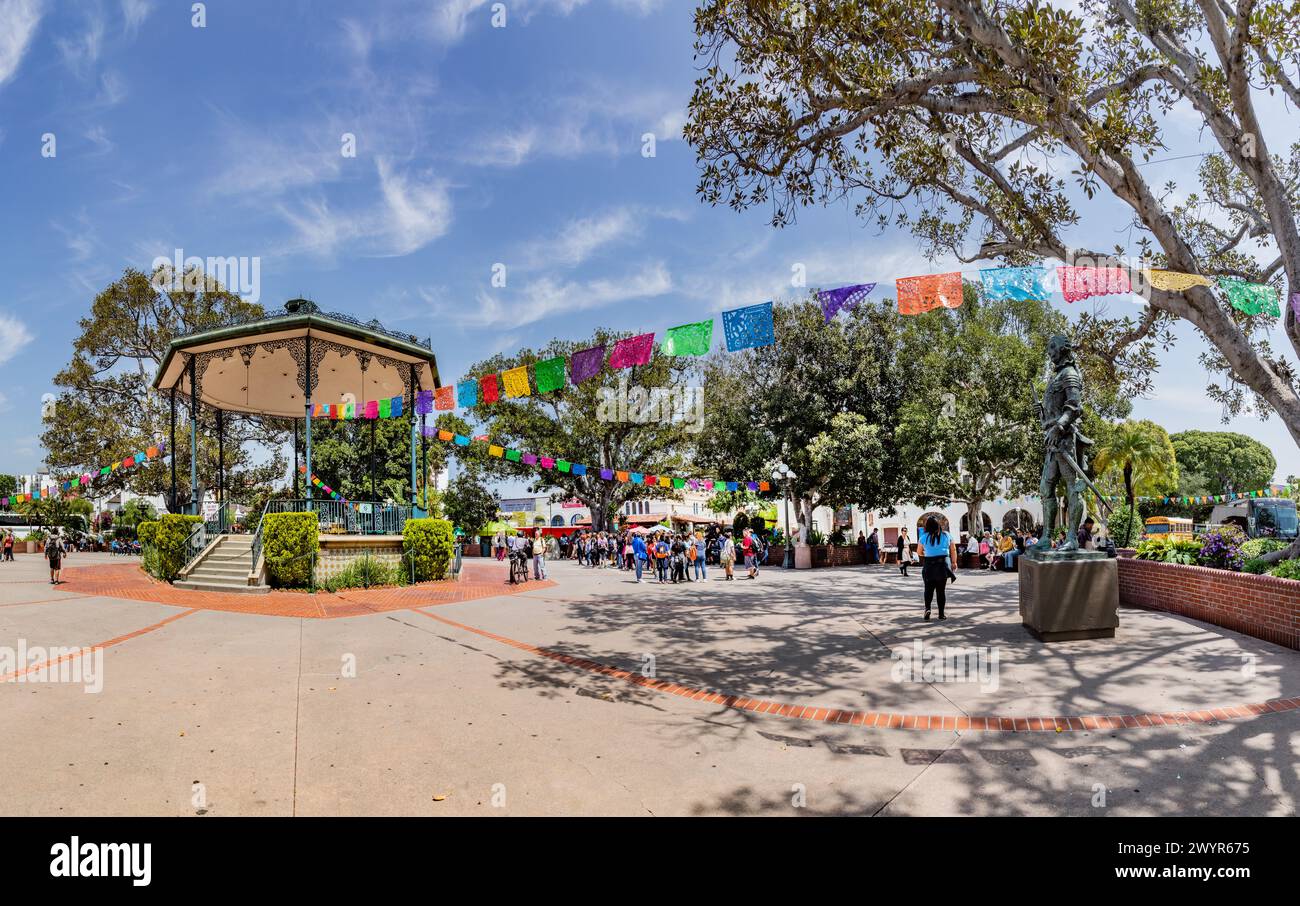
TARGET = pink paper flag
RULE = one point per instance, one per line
(632, 351)
(1079, 283)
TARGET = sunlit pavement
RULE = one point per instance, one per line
(781, 696)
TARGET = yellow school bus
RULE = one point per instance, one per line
(1173, 527)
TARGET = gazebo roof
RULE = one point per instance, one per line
(260, 366)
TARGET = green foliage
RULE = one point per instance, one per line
(1258, 547)
(288, 542)
(8, 485)
(1169, 550)
(105, 411)
(342, 453)
(146, 531)
(468, 505)
(1137, 458)
(170, 533)
(1228, 461)
(366, 572)
(1256, 566)
(428, 545)
(136, 511)
(1286, 569)
(815, 536)
(1124, 525)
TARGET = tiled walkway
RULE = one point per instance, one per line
(127, 580)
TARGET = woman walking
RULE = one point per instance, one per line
(939, 551)
(904, 552)
(728, 556)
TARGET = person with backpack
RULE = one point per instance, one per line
(749, 549)
(639, 555)
(727, 556)
(54, 553)
(661, 551)
(700, 557)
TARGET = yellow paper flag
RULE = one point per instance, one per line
(1175, 281)
(517, 381)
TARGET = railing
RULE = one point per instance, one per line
(352, 518)
(257, 535)
(220, 521)
(195, 544)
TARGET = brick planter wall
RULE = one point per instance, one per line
(1265, 607)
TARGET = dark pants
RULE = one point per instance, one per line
(934, 570)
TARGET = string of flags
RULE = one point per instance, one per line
(1275, 491)
(86, 479)
(324, 488)
(622, 475)
(385, 408)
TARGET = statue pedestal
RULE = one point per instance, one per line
(1069, 596)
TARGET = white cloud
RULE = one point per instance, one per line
(134, 12)
(579, 239)
(18, 21)
(14, 335)
(80, 54)
(547, 296)
(413, 210)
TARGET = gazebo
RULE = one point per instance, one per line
(284, 363)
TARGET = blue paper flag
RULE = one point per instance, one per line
(1021, 284)
(748, 327)
(467, 393)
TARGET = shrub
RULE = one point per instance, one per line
(288, 542)
(145, 531)
(1256, 566)
(1169, 551)
(1124, 525)
(365, 572)
(169, 536)
(1258, 547)
(428, 544)
(1221, 547)
(1286, 569)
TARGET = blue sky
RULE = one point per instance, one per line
(475, 145)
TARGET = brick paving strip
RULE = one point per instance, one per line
(882, 720)
(13, 675)
(128, 581)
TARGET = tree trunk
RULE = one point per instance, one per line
(975, 514)
(1128, 484)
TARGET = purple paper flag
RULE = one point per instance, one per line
(632, 351)
(607, 474)
(423, 402)
(846, 297)
(530, 459)
(586, 363)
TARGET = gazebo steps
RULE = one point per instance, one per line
(222, 585)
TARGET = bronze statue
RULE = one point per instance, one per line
(1059, 413)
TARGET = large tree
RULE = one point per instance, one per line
(953, 119)
(616, 420)
(1227, 461)
(106, 409)
(825, 399)
(1138, 456)
(969, 414)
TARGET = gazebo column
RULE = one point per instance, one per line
(415, 500)
(295, 459)
(221, 458)
(171, 447)
(309, 385)
(194, 439)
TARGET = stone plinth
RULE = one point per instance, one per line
(1064, 597)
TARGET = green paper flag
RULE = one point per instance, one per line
(512, 455)
(688, 339)
(550, 374)
(562, 464)
(385, 408)
(679, 482)
(1251, 298)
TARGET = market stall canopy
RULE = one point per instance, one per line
(261, 366)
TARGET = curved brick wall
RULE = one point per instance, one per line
(1265, 607)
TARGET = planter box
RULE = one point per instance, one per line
(1264, 607)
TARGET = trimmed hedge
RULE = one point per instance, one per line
(429, 545)
(288, 541)
(145, 531)
(167, 541)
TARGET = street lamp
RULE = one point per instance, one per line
(784, 474)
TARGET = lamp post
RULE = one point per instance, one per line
(784, 474)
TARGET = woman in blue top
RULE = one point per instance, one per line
(938, 551)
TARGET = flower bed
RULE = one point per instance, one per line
(1265, 607)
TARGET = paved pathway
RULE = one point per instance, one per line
(778, 696)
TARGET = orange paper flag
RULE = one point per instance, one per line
(929, 291)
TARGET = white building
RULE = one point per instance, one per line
(995, 514)
(688, 506)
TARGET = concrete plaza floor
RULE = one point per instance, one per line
(522, 705)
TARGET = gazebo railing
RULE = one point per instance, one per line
(352, 518)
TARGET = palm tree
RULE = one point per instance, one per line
(1143, 455)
